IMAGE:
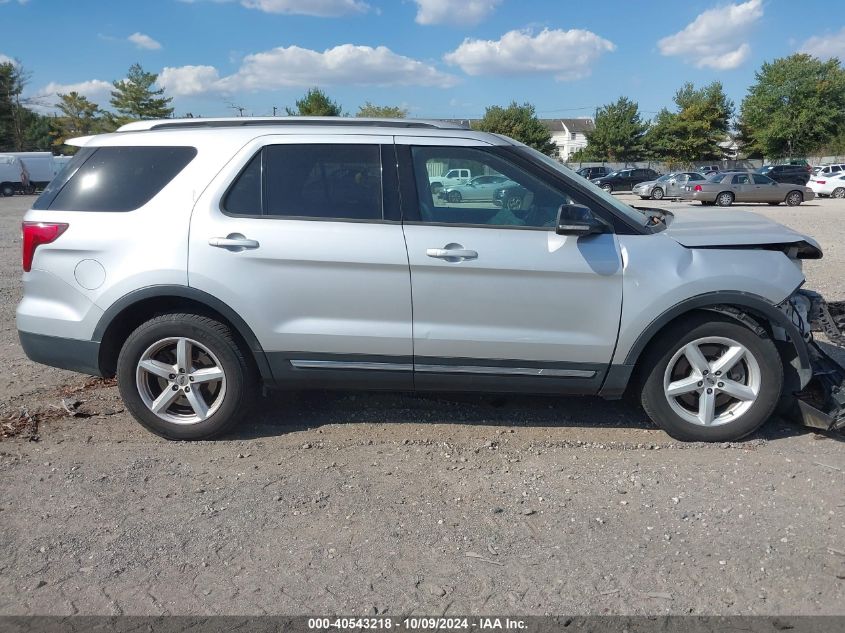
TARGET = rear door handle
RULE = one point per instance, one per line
(233, 241)
(451, 253)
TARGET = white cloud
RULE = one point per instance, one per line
(142, 40)
(5, 59)
(96, 90)
(565, 54)
(826, 46)
(716, 38)
(318, 8)
(186, 81)
(294, 66)
(467, 12)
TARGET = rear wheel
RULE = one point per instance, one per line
(725, 199)
(839, 192)
(711, 379)
(794, 198)
(657, 193)
(184, 377)
(7, 189)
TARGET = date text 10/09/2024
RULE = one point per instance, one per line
(417, 624)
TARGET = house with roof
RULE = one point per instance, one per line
(569, 135)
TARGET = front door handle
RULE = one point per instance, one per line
(452, 253)
(234, 241)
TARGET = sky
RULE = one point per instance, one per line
(436, 58)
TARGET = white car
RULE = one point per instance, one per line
(449, 179)
(831, 169)
(828, 185)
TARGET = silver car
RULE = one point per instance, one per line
(479, 188)
(667, 186)
(201, 261)
(725, 188)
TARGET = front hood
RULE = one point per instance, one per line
(721, 227)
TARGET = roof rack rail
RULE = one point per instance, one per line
(232, 122)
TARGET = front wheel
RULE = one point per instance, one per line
(711, 379)
(794, 198)
(184, 377)
(607, 188)
(657, 193)
(454, 197)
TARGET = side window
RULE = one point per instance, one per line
(835, 168)
(244, 196)
(115, 178)
(760, 179)
(695, 177)
(520, 199)
(340, 181)
(740, 179)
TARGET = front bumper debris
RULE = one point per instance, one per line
(821, 403)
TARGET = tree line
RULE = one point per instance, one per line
(794, 108)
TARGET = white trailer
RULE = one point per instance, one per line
(27, 172)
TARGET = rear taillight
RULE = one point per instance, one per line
(698, 187)
(821, 182)
(34, 234)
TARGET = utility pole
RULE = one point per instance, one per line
(274, 110)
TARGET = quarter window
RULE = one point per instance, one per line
(515, 198)
(114, 178)
(760, 179)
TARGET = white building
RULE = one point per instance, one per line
(569, 135)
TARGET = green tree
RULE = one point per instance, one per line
(315, 102)
(37, 132)
(79, 117)
(619, 132)
(694, 131)
(135, 98)
(381, 112)
(519, 122)
(795, 107)
(13, 79)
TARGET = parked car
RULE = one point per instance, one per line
(26, 172)
(624, 179)
(794, 174)
(313, 254)
(724, 189)
(449, 179)
(593, 172)
(828, 170)
(479, 188)
(832, 185)
(667, 186)
(709, 170)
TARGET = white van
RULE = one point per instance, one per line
(11, 174)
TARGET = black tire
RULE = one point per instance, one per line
(794, 198)
(454, 196)
(839, 192)
(8, 190)
(607, 187)
(724, 199)
(436, 187)
(241, 380)
(657, 193)
(654, 366)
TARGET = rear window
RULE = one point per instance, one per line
(114, 178)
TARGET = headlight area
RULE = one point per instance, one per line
(821, 403)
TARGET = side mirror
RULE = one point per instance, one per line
(575, 219)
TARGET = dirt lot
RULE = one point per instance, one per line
(398, 504)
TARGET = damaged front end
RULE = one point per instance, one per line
(820, 404)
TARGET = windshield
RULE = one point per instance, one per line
(629, 212)
(716, 178)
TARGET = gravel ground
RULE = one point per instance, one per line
(398, 504)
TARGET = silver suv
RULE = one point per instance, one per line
(201, 260)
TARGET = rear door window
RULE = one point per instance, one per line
(115, 178)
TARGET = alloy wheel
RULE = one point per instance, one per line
(839, 192)
(725, 199)
(180, 380)
(712, 381)
(794, 199)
